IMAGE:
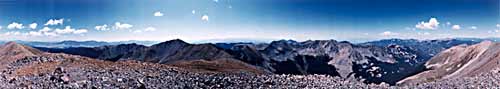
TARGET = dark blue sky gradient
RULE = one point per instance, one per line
(261, 19)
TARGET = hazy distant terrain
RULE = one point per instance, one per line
(69, 44)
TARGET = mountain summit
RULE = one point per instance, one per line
(14, 49)
(11, 52)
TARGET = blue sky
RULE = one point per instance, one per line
(201, 20)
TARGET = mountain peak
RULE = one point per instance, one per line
(174, 41)
(487, 42)
(11, 43)
(13, 48)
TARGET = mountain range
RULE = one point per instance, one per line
(22, 66)
(70, 43)
(384, 61)
(13, 51)
(458, 62)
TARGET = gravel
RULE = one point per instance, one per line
(83, 73)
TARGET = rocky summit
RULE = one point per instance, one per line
(280, 64)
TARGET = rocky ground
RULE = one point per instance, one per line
(62, 73)
(489, 80)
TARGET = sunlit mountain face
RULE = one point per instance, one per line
(248, 20)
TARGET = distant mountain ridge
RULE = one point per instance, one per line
(425, 48)
(70, 43)
(217, 42)
(159, 53)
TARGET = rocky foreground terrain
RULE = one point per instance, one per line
(41, 72)
(25, 67)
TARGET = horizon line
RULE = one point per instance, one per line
(261, 40)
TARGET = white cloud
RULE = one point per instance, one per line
(494, 31)
(120, 26)
(117, 26)
(431, 25)
(55, 22)
(158, 13)
(138, 31)
(15, 25)
(33, 25)
(425, 33)
(497, 30)
(456, 27)
(448, 23)
(80, 31)
(388, 33)
(50, 34)
(102, 27)
(35, 33)
(12, 33)
(66, 30)
(204, 17)
(216, 1)
(1, 27)
(193, 11)
(45, 29)
(148, 29)
(473, 27)
(69, 30)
